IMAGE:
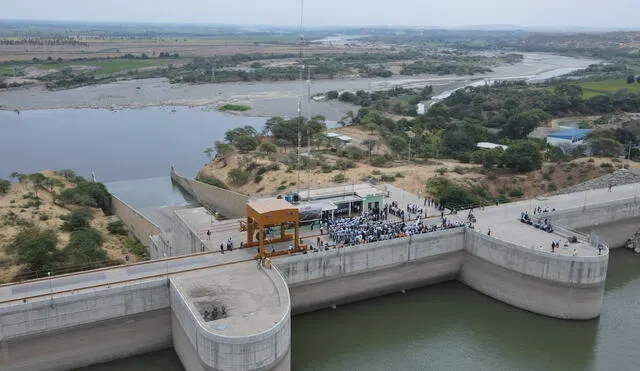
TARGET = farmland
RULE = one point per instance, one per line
(593, 88)
(110, 66)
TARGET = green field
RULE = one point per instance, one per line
(110, 66)
(6, 71)
(593, 88)
(234, 107)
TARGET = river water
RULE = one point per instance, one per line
(452, 327)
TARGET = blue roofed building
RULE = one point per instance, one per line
(565, 137)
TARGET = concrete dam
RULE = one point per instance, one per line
(224, 312)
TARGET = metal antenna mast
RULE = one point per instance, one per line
(300, 118)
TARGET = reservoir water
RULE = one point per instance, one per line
(117, 145)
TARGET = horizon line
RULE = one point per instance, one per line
(496, 27)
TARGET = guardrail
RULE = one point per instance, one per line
(24, 299)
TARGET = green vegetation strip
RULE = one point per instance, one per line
(109, 66)
(593, 88)
(234, 107)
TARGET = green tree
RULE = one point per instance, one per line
(522, 124)
(631, 79)
(208, 152)
(332, 94)
(232, 135)
(5, 186)
(223, 150)
(35, 248)
(522, 156)
(37, 179)
(604, 146)
(246, 143)
(84, 248)
(266, 147)
(77, 219)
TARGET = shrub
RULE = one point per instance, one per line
(465, 157)
(212, 180)
(332, 94)
(259, 189)
(551, 187)
(387, 178)
(266, 147)
(606, 165)
(376, 172)
(5, 185)
(325, 169)
(281, 187)
(43, 217)
(339, 178)
(257, 179)
(343, 164)
(273, 167)
(34, 248)
(353, 152)
(238, 176)
(87, 194)
(453, 195)
(117, 227)
(442, 170)
(379, 161)
(516, 192)
(458, 169)
(399, 175)
(77, 219)
(136, 248)
(234, 107)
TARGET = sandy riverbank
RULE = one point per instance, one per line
(265, 98)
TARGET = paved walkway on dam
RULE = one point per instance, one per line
(502, 219)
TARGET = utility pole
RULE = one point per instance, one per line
(50, 286)
(411, 134)
(300, 118)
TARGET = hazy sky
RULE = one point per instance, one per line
(445, 13)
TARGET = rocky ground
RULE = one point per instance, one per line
(619, 177)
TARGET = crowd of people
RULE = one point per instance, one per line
(364, 229)
(539, 223)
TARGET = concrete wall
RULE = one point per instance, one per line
(559, 286)
(544, 283)
(268, 350)
(596, 214)
(85, 328)
(182, 240)
(138, 225)
(228, 203)
(318, 280)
